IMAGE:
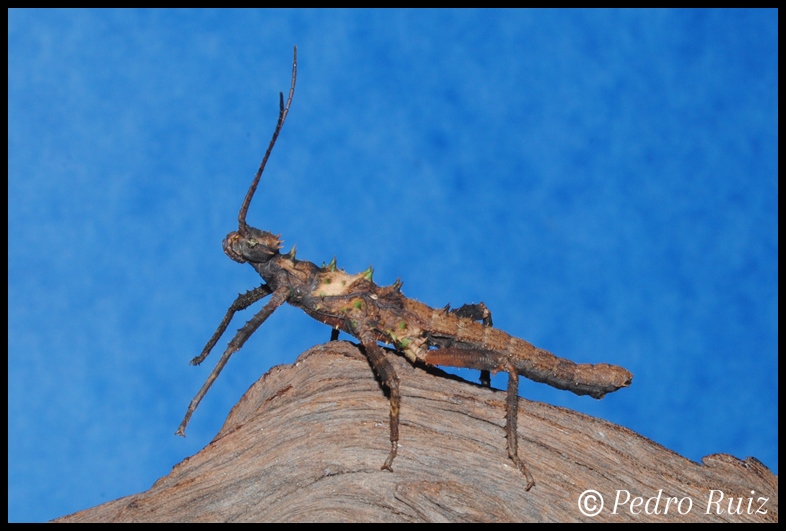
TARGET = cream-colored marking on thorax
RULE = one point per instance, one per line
(334, 283)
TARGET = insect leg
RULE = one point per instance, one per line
(511, 428)
(477, 312)
(484, 360)
(490, 360)
(242, 302)
(279, 297)
(387, 375)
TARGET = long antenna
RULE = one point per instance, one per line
(282, 115)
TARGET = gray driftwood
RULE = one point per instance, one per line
(306, 443)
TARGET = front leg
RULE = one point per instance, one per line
(279, 297)
(242, 302)
(387, 375)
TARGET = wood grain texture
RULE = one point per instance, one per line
(307, 441)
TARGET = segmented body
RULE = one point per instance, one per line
(433, 336)
(371, 313)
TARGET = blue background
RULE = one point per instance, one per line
(605, 181)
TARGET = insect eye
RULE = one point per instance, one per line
(229, 245)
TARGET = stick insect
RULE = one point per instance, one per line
(462, 337)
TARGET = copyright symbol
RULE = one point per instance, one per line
(590, 503)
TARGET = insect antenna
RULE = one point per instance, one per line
(282, 115)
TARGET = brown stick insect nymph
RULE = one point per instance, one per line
(461, 337)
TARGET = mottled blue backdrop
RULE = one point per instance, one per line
(605, 181)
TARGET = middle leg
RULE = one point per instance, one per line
(387, 375)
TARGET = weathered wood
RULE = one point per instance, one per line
(307, 441)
